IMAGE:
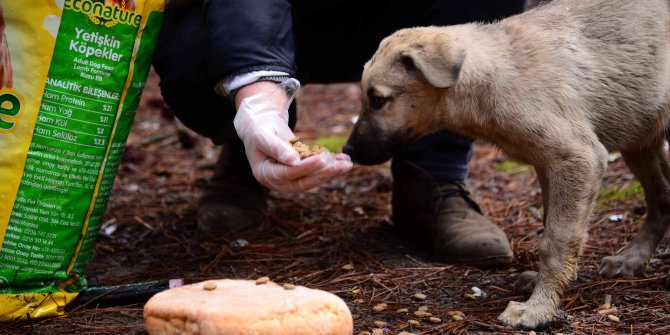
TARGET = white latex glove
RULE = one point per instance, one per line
(262, 124)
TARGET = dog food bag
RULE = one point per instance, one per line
(71, 76)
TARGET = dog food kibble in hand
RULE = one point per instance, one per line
(210, 285)
(305, 151)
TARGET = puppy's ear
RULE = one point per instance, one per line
(440, 67)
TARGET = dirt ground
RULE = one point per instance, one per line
(150, 235)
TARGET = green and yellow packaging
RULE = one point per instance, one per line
(71, 77)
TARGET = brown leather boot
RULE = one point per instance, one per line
(446, 219)
(232, 200)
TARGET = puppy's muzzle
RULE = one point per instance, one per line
(367, 145)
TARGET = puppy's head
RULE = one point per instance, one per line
(403, 86)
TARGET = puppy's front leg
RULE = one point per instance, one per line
(570, 182)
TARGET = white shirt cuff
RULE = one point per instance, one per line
(230, 84)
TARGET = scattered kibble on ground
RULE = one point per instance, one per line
(470, 296)
(379, 307)
(380, 324)
(419, 296)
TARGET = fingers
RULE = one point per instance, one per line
(304, 175)
(343, 156)
(309, 182)
(326, 161)
(303, 168)
(276, 148)
(286, 154)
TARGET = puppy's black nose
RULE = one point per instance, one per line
(348, 149)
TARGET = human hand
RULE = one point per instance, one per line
(262, 124)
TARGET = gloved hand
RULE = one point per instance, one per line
(262, 124)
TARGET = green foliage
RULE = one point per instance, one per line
(615, 193)
(332, 143)
(511, 166)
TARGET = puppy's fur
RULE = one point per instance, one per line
(555, 87)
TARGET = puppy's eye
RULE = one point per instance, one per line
(376, 102)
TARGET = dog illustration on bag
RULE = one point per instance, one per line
(6, 76)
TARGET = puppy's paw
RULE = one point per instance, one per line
(622, 266)
(525, 315)
(526, 282)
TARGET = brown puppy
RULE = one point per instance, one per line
(555, 87)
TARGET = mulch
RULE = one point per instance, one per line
(339, 238)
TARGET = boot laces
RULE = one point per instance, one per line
(447, 190)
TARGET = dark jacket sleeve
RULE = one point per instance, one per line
(249, 35)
